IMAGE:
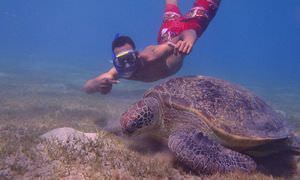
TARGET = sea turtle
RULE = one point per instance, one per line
(210, 125)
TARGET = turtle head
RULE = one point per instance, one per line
(142, 116)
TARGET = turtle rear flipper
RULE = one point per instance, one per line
(203, 155)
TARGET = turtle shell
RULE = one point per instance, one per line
(237, 117)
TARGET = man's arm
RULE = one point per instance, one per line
(103, 83)
(157, 52)
(162, 54)
(177, 50)
(171, 52)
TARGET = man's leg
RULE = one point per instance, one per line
(171, 14)
(172, 11)
(203, 11)
(171, 2)
(209, 7)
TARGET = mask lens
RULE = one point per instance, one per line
(126, 59)
(126, 63)
(119, 62)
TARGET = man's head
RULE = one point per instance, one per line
(125, 56)
(122, 43)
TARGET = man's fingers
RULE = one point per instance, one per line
(109, 81)
(182, 47)
(113, 81)
(104, 85)
(185, 50)
(105, 90)
(177, 47)
(178, 44)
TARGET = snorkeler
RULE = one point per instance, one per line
(176, 38)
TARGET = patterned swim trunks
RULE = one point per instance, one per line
(197, 18)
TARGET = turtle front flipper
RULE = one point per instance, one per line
(203, 155)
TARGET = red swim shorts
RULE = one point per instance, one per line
(197, 18)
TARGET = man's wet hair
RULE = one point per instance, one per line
(121, 41)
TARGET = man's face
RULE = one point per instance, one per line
(125, 47)
(125, 64)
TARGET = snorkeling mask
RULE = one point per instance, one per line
(126, 63)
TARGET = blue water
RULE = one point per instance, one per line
(50, 48)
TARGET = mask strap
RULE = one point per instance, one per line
(123, 53)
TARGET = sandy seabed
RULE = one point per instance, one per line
(32, 105)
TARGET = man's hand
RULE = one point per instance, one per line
(184, 47)
(186, 43)
(102, 84)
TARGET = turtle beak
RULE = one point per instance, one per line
(128, 132)
(129, 129)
